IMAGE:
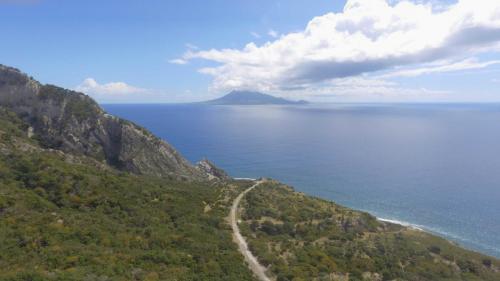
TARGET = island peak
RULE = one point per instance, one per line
(252, 98)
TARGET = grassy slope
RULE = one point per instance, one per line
(82, 221)
(304, 238)
(69, 218)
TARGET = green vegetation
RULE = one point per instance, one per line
(304, 238)
(69, 218)
(78, 105)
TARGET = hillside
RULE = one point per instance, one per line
(69, 212)
(251, 98)
(72, 122)
(64, 217)
(304, 238)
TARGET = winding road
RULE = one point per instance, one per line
(258, 269)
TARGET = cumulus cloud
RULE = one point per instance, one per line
(91, 87)
(255, 35)
(467, 64)
(120, 92)
(192, 46)
(363, 89)
(368, 36)
(273, 33)
(178, 61)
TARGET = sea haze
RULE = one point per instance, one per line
(433, 166)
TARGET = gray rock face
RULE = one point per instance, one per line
(75, 123)
(213, 172)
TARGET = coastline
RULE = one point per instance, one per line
(434, 255)
(244, 179)
(402, 223)
(458, 240)
(462, 242)
(252, 155)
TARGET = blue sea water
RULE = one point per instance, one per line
(433, 166)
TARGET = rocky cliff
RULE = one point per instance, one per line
(213, 172)
(74, 123)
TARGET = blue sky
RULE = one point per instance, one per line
(175, 51)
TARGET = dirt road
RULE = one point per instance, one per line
(254, 265)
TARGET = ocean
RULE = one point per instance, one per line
(435, 167)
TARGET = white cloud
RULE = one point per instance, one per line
(446, 66)
(255, 34)
(178, 61)
(273, 33)
(91, 87)
(362, 89)
(366, 37)
(192, 46)
(120, 92)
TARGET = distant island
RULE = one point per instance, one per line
(252, 98)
